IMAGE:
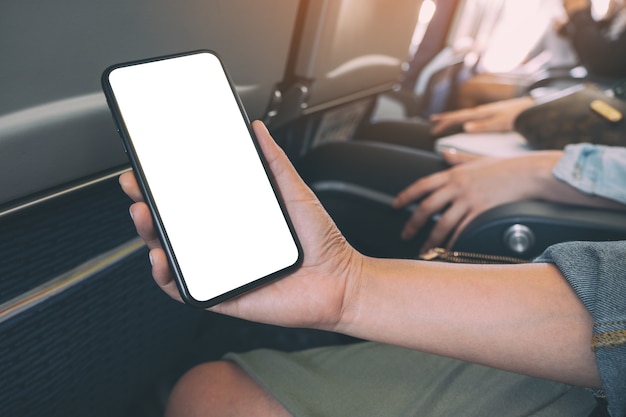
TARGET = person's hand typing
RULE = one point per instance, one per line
(493, 117)
(469, 188)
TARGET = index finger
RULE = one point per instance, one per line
(129, 185)
(420, 188)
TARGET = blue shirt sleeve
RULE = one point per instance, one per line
(594, 169)
(597, 273)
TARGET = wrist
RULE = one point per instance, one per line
(544, 181)
(359, 271)
(379, 299)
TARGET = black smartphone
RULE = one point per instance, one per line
(214, 203)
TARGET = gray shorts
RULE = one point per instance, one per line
(371, 379)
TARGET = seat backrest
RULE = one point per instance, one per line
(347, 50)
(54, 122)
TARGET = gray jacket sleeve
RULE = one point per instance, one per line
(597, 273)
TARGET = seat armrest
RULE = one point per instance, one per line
(379, 166)
(525, 229)
(356, 182)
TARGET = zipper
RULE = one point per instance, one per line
(440, 254)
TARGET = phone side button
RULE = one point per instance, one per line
(121, 141)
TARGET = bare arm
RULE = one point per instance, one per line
(520, 318)
(524, 319)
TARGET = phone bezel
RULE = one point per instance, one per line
(145, 189)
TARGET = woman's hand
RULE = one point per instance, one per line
(461, 193)
(313, 296)
(493, 117)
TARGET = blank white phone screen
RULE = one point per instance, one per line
(215, 201)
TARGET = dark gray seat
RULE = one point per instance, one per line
(342, 58)
(54, 123)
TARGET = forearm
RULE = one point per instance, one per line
(523, 319)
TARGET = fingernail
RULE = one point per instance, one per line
(469, 127)
(130, 211)
(150, 257)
